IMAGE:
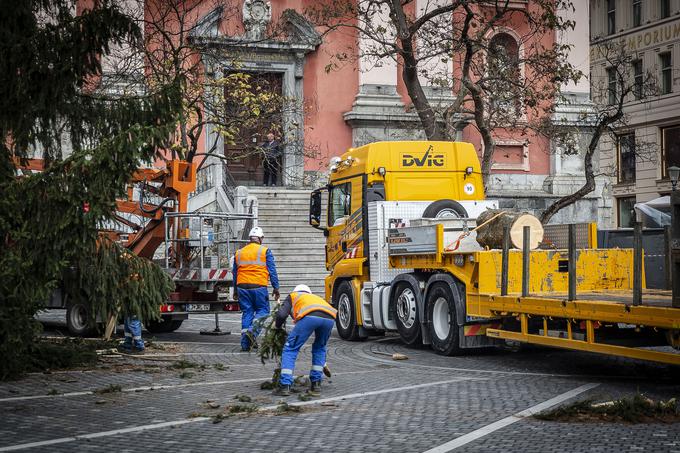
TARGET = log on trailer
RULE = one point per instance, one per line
(491, 234)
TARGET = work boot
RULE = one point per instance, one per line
(126, 345)
(139, 348)
(282, 390)
(315, 389)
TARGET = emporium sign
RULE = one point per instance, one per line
(651, 37)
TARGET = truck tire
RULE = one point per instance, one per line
(163, 326)
(404, 308)
(441, 312)
(346, 321)
(79, 320)
(444, 208)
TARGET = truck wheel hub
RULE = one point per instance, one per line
(441, 318)
(406, 308)
(78, 316)
(344, 311)
(447, 212)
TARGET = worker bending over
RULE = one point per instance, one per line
(310, 314)
(253, 267)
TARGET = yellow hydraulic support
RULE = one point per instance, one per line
(596, 310)
(588, 346)
(590, 311)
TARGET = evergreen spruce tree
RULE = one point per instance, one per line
(49, 67)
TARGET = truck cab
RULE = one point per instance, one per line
(379, 186)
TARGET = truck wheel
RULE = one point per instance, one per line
(346, 321)
(79, 320)
(163, 326)
(441, 311)
(404, 309)
(444, 208)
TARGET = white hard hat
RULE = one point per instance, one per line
(256, 232)
(302, 289)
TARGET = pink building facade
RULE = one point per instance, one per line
(361, 101)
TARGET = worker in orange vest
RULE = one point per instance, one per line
(253, 268)
(310, 314)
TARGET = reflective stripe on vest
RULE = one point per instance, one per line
(304, 303)
(251, 263)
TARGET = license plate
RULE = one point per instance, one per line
(198, 307)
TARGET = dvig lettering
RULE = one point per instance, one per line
(428, 160)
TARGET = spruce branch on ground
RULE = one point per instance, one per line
(271, 339)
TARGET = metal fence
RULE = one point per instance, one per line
(557, 236)
(228, 184)
(654, 247)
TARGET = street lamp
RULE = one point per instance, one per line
(674, 174)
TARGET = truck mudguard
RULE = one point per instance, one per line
(458, 291)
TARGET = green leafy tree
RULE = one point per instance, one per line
(49, 104)
(612, 91)
(460, 49)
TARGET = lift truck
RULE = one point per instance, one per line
(397, 214)
(196, 245)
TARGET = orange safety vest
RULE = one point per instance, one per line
(304, 304)
(251, 264)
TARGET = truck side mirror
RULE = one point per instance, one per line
(315, 209)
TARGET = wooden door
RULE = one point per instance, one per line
(245, 160)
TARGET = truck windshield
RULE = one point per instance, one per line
(340, 202)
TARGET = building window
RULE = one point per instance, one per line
(504, 54)
(511, 155)
(611, 86)
(637, 13)
(666, 72)
(625, 207)
(504, 73)
(626, 159)
(665, 8)
(670, 148)
(638, 79)
(611, 17)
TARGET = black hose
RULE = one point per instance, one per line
(154, 210)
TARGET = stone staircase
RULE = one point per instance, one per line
(298, 248)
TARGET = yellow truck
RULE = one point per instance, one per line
(400, 219)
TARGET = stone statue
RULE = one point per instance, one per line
(256, 16)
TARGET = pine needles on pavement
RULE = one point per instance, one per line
(635, 409)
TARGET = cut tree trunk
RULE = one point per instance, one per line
(491, 234)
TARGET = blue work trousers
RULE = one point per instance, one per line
(254, 305)
(133, 333)
(322, 328)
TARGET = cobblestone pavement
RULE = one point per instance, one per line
(371, 404)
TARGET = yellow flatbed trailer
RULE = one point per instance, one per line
(594, 309)
(593, 321)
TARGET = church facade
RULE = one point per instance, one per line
(357, 102)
